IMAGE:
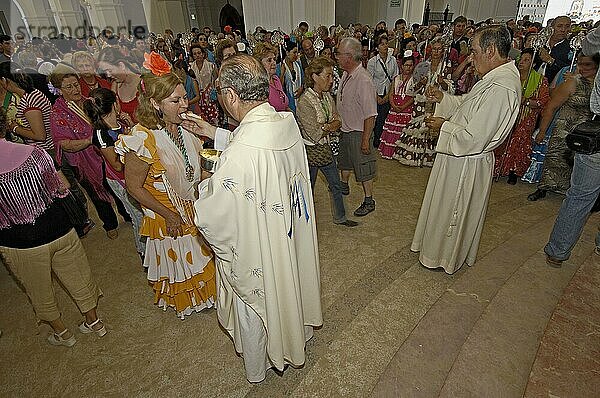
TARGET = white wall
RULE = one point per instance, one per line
(286, 14)
(478, 10)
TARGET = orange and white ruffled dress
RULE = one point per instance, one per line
(181, 271)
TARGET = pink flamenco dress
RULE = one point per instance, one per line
(396, 121)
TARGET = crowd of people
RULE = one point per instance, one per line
(125, 121)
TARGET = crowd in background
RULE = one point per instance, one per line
(86, 106)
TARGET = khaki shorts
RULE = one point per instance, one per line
(352, 158)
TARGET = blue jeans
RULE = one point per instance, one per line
(332, 176)
(382, 113)
(575, 208)
(135, 212)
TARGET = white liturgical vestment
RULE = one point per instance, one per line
(455, 202)
(257, 213)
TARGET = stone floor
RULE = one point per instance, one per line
(509, 326)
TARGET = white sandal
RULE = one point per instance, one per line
(57, 339)
(85, 328)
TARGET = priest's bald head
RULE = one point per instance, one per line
(243, 84)
(489, 48)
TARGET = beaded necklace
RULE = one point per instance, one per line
(326, 107)
(178, 141)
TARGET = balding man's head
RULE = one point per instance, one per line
(308, 48)
(246, 76)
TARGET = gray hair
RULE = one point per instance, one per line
(246, 76)
(353, 46)
(497, 36)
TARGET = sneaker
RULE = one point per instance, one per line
(345, 188)
(348, 223)
(364, 209)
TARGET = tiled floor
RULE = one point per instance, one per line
(508, 326)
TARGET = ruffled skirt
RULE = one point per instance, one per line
(182, 274)
(392, 129)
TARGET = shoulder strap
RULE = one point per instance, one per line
(385, 70)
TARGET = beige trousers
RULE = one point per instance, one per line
(67, 259)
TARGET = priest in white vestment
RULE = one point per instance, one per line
(256, 212)
(470, 128)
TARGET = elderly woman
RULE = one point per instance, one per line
(266, 54)
(225, 49)
(125, 77)
(72, 134)
(318, 118)
(161, 169)
(85, 65)
(513, 156)
(38, 241)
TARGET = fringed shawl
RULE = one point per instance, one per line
(28, 190)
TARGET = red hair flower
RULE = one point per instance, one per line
(156, 64)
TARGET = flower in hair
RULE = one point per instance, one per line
(156, 64)
(53, 89)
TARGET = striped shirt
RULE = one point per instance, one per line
(36, 100)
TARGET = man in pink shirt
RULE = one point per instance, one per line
(357, 106)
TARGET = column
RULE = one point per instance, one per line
(192, 10)
(31, 17)
(68, 15)
(105, 14)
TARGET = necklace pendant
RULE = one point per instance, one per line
(189, 172)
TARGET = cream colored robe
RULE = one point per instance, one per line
(257, 213)
(453, 211)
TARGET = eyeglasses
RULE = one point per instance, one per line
(220, 89)
(70, 86)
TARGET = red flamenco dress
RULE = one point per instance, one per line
(396, 121)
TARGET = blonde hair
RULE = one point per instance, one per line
(262, 50)
(80, 55)
(157, 88)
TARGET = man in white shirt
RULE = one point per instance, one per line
(383, 68)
